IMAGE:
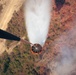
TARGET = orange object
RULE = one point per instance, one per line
(36, 48)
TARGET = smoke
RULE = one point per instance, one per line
(37, 19)
(65, 62)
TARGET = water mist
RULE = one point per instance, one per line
(37, 19)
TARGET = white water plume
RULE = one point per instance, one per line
(37, 19)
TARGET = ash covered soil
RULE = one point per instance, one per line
(18, 59)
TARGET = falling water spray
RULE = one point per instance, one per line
(37, 20)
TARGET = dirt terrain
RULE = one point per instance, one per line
(8, 8)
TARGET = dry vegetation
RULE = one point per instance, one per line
(16, 26)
